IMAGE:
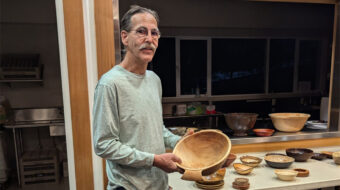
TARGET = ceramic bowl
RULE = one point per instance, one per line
(230, 159)
(319, 156)
(242, 169)
(300, 154)
(202, 153)
(336, 157)
(263, 132)
(251, 160)
(278, 161)
(240, 122)
(286, 175)
(289, 122)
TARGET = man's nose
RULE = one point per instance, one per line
(148, 37)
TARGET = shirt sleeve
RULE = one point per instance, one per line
(106, 131)
(170, 139)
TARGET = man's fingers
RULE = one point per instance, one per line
(176, 159)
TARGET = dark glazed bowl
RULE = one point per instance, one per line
(319, 156)
(240, 122)
(278, 161)
(300, 154)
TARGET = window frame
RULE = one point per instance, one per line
(266, 95)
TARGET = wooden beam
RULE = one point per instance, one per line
(300, 1)
(104, 26)
(77, 73)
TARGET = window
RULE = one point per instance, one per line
(232, 66)
(281, 65)
(164, 64)
(308, 64)
(238, 66)
(193, 66)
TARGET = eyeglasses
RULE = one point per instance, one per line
(143, 32)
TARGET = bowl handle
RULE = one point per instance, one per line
(192, 175)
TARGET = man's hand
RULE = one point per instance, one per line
(167, 162)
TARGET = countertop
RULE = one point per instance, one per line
(322, 174)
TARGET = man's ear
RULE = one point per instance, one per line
(124, 36)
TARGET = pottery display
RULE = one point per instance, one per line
(251, 160)
(240, 122)
(202, 153)
(263, 132)
(278, 161)
(242, 169)
(289, 122)
(286, 175)
(300, 154)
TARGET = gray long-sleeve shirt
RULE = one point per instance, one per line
(128, 129)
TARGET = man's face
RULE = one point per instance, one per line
(142, 41)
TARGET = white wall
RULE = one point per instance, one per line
(30, 27)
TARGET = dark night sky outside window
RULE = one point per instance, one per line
(238, 66)
(164, 65)
(309, 58)
(281, 66)
(193, 61)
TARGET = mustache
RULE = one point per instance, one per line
(147, 45)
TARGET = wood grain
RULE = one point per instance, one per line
(104, 26)
(77, 73)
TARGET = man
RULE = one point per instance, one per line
(128, 125)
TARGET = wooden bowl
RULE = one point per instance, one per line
(240, 122)
(302, 172)
(300, 154)
(336, 157)
(263, 132)
(278, 161)
(251, 160)
(286, 175)
(202, 153)
(230, 159)
(289, 122)
(214, 178)
(242, 168)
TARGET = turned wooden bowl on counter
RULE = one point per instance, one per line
(289, 122)
(202, 153)
(300, 154)
(278, 161)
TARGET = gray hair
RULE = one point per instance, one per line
(135, 9)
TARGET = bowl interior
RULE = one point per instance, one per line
(276, 158)
(202, 149)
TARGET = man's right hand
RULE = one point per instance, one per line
(167, 162)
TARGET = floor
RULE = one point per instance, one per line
(12, 185)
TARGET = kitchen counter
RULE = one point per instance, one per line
(322, 174)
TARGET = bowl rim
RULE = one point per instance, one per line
(198, 133)
(291, 159)
(263, 130)
(304, 151)
(277, 115)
